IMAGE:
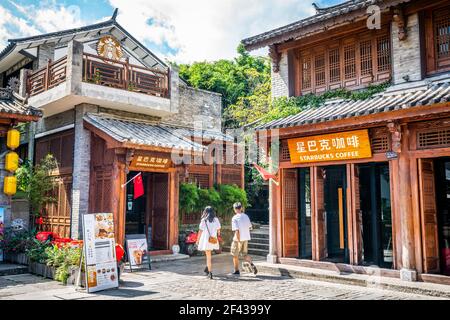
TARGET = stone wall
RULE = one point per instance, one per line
(81, 169)
(195, 105)
(56, 121)
(280, 80)
(406, 53)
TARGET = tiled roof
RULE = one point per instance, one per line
(294, 30)
(145, 133)
(385, 102)
(12, 103)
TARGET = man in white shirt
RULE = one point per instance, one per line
(241, 226)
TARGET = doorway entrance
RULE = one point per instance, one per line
(304, 212)
(149, 214)
(442, 178)
(335, 207)
(375, 205)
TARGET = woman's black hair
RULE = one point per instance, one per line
(209, 214)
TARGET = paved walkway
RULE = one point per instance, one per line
(184, 279)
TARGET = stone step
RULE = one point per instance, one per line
(258, 252)
(261, 246)
(364, 280)
(259, 235)
(260, 240)
(12, 269)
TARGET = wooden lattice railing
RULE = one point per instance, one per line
(48, 77)
(122, 75)
(105, 72)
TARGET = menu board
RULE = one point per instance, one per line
(100, 252)
(2, 229)
(137, 250)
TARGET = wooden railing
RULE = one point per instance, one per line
(122, 75)
(105, 72)
(48, 77)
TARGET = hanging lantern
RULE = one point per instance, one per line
(11, 161)
(10, 185)
(13, 139)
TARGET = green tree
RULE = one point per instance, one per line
(37, 183)
(235, 79)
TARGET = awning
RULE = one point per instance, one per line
(144, 133)
(424, 95)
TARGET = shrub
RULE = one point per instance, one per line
(36, 251)
(189, 198)
(17, 242)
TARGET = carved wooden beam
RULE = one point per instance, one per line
(128, 159)
(276, 57)
(401, 20)
(396, 136)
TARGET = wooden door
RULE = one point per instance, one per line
(428, 210)
(160, 211)
(290, 213)
(320, 215)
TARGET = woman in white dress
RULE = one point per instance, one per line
(207, 239)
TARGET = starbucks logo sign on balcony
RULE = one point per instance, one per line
(109, 47)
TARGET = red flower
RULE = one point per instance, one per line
(40, 221)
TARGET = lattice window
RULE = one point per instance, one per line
(365, 50)
(350, 61)
(285, 156)
(383, 53)
(353, 61)
(319, 65)
(200, 179)
(306, 72)
(335, 65)
(442, 33)
(434, 138)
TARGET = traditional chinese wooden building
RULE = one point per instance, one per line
(113, 109)
(367, 182)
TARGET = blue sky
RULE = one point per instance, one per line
(178, 30)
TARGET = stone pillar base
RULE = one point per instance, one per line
(272, 258)
(408, 275)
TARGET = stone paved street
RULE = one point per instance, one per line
(184, 280)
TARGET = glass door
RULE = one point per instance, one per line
(443, 214)
(335, 208)
(305, 213)
(375, 195)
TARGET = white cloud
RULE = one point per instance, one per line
(206, 29)
(10, 25)
(194, 30)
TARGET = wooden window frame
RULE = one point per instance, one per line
(434, 65)
(356, 79)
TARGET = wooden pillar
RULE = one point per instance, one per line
(173, 207)
(405, 208)
(118, 197)
(274, 212)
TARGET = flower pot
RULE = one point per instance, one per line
(18, 258)
(41, 269)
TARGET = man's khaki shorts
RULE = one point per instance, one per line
(239, 247)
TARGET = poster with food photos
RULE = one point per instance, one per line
(100, 252)
(137, 250)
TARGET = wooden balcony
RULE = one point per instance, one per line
(103, 72)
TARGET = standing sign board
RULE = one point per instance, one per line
(2, 229)
(137, 251)
(100, 252)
